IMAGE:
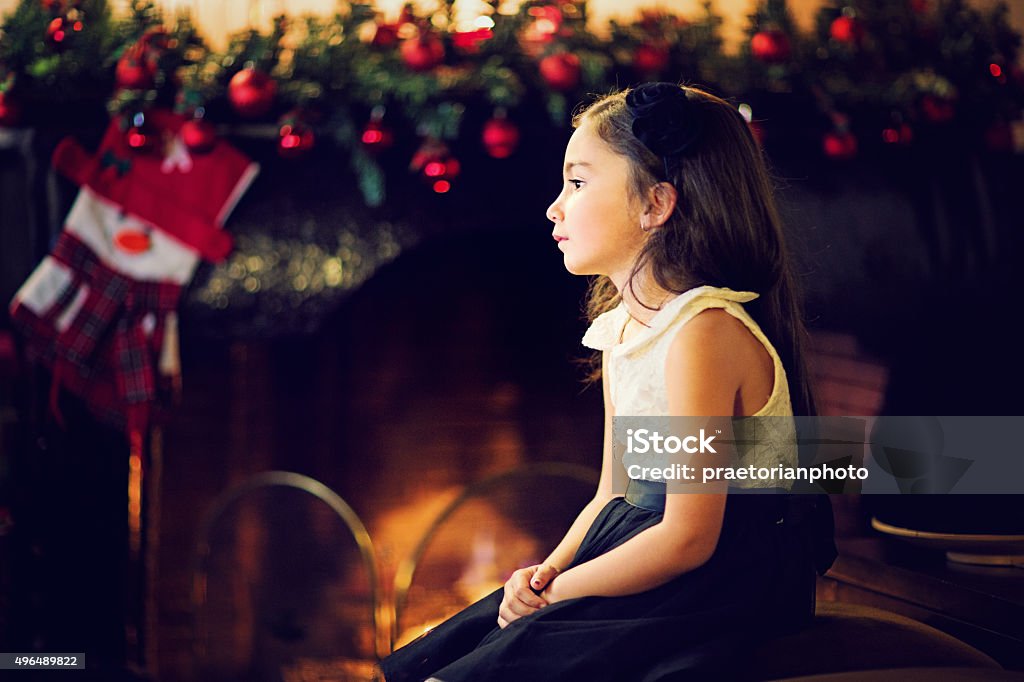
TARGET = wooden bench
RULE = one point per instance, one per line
(854, 640)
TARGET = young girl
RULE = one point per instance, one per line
(666, 199)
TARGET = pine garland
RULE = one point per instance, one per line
(877, 72)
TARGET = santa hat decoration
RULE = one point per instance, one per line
(100, 309)
(187, 196)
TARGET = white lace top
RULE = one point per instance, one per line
(636, 367)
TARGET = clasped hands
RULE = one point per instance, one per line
(521, 592)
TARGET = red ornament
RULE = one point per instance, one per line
(561, 71)
(62, 27)
(840, 145)
(997, 72)
(500, 137)
(920, 6)
(436, 165)
(770, 46)
(422, 53)
(386, 35)
(134, 74)
(140, 138)
(199, 135)
(937, 109)
(296, 137)
(901, 135)
(10, 111)
(469, 42)
(650, 59)
(251, 92)
(847, 30)
(137, 67)
(376, 136)
(447, 167)
(57, 31)
(546, 24)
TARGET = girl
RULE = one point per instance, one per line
(666, 199)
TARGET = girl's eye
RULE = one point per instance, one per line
(576, 183)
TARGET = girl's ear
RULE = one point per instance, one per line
(661, 201)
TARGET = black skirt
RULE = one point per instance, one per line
(758, 583)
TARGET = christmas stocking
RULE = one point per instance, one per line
(100, 308)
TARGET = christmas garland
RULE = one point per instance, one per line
(874, 75)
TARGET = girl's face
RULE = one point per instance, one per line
(597, 230)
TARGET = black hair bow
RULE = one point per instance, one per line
(664, 119)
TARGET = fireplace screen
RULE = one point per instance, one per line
(285, 585)
(286, 582)
(495, 526)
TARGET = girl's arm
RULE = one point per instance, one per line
(703, 377)
(520, 598)
(566, 549)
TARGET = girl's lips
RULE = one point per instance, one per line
(559, 239)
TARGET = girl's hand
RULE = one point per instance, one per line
(551, 592)
(543, 576)
(520, 598)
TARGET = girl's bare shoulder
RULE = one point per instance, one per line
(718, 340)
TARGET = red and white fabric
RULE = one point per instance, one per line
(100, 308)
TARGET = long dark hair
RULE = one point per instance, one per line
(725, 230)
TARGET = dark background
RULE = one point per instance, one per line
(475, 325)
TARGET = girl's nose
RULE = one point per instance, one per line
(554, 212)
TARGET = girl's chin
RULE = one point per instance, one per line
(576, 269)
(582, 266)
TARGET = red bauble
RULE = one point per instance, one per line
(386, 35)
(901, 135)
(937, 109)
(251, 92)
(469, 42)
(198, 135)
(137, 67)
(561, 71)
(296, 138)
(376, 137)
(770, 46)
(440, 171)
(436, 165)
(500, 137)
(546, 24)
(10, 112)
(140, 138)
(649, 59)
(442, 167)
(840, 145)
(920, 6)
(423, 53)
(847, 30)
(133, 73)
(57, 31)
